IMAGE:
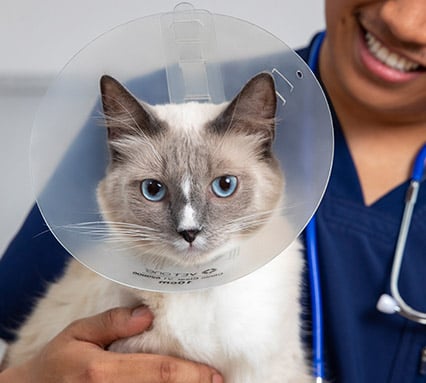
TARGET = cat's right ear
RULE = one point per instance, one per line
(252, 112)
(124, 114)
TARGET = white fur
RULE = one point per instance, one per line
(186, 187)
(188, 218)
(247, 329)
(188, 117)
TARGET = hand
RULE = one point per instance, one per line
(78, 355)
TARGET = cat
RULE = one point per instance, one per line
(183, 181)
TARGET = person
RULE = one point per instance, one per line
(372, 65)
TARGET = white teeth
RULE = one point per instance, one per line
(391, 59)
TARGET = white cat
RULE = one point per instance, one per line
(183, 181)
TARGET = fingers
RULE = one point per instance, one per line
(147, 368)
(111, 325)
(110, 367)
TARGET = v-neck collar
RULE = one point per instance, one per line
(345, 173)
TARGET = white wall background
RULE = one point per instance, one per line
(38, 37)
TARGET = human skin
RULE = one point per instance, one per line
(382, 109)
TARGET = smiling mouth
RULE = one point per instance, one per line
(389, 58)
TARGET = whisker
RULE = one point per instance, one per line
(249, 221)
(41, 233)
(266, 214)
(108, 225)
(115, 232)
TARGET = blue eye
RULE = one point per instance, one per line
(153, 190)
(224, 186)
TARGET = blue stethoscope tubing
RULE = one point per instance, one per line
(318, 359)
(395, 300)
(395, 303)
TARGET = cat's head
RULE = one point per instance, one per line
(186, 180)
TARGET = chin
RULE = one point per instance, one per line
(191, 255)
(198, 253)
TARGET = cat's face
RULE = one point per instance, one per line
(186, 180)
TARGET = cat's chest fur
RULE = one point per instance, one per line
(233, 318)
(249, 329)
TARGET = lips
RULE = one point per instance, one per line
(385, 63)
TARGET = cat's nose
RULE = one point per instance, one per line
(189, 235)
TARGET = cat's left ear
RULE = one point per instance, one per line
(252, 111)
(124, 114)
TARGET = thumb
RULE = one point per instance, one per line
(111, 325)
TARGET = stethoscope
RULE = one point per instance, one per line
(388, 304)
(394, 303)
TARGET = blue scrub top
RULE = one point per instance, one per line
(356, 246)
